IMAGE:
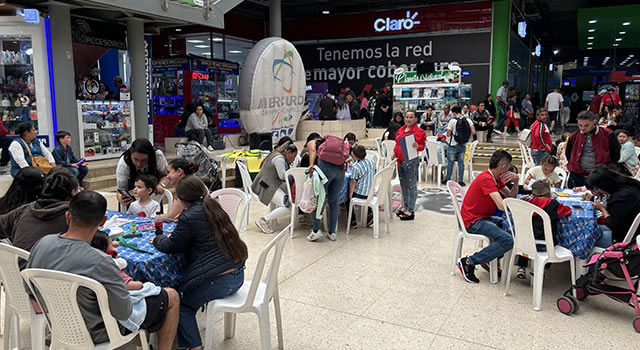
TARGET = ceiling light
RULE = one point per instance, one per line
(589, 43)
(590, 38)
(235, 51)
(593, 21)
(201, 46)
(178, 30)
(556, 51)
(591, 30)
(631, 56)
(616, 45)
(622, 33)
(325, 12)
(217, 39)
(626, 23)
(207, 53)
(618, 39)
(589, 48)
(194, 41)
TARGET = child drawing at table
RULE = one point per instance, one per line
(544, 172)
(144, 206)
(541, 197)
(103, 242)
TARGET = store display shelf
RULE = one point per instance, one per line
(417, 98)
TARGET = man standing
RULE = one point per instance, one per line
(327, 108)
(594, 105)
(527, 110)
(354, 106)
(482, 121)
(591, 145)
(553, 105)
(626, 121)
(502, 98)
(540, 137)
(71, 252)
(459, 131)
(611, 97)
(480, 202)
(382, 114)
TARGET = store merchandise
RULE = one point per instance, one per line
(17, 85)
(106, 127)
(632, 98)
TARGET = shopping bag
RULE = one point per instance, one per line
(308, 201)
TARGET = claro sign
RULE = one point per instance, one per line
(389, 25)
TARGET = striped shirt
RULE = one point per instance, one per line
(363, 172)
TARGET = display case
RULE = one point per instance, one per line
(17, 84)
(106, 128)
(631, 98)
(436, 89)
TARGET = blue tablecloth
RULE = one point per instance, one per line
(580, 231)
(344, 191)
(164, 270)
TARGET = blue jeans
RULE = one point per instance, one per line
(537, 156)
(456, 153)
(79, 172)
(496, 229)
(193, 300)
(408, 174)
(335, 177)
(606, 240)
(501, 118)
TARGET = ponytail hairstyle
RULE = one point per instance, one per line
(188, 167)
(190, 190)
(282, 149)
(59, 184)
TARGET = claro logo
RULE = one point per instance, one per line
(388, 24)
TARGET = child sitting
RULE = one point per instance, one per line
(102, 242)
(628, 160)
(144, 206)
(541, 197)
(361, 180)
(63, 154)
(544, 172)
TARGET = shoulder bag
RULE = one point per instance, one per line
(41, 163)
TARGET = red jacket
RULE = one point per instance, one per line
(605, 146)
(540, 137)
(3, 130)
(418, 133)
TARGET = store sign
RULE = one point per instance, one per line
(272, 89)
(199, 76)
(389, 25)
(97, 33)
(437, 77)
(125, 94)
(466, 73)
(32, 16)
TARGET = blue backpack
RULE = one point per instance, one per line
(463, 131)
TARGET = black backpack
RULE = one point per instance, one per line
(463, 131)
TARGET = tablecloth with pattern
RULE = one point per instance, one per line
(164, 270)
(343, 197)
(579, 232)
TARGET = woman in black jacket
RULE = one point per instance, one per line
(622, 204)
(214, 252)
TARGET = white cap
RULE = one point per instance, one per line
(603, 91)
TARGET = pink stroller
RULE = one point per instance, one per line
(622, 260)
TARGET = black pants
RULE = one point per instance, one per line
(199, 135)
(576, 180)
(5, 141)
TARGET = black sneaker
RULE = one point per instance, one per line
(369, 220)
(444, 182)
(467, 271)
(485, 266)
(462, 184)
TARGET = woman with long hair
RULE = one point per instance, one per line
(140, 158)
(271, 184)
(342, 108)
(214, 251)
(25, 147)
(622, 205)
(25, 188)
(394, 125)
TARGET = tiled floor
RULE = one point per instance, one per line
(396, 292)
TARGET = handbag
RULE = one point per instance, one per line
(41, 163)
(516, 115)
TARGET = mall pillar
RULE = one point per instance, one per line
(66, 110)
(499, 44)
(275, 18)
(135, 46)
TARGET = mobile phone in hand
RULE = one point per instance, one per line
(126, 195)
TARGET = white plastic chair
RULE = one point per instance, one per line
(637, 151)
(166, 194)
(231, 200)
(375, 157)
(474, 174)
(433, 163)
(468, 164)
(18, 305)
(381, 182)
(224, 167)
(524, 243)
(379, 145)
(56, 293)
(254, 296)
(527, 161)
(422, 167)
(246, 184)
(299, 177)
(455, 191)
(387, 151)
(562, 174)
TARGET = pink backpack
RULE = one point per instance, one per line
(333, 150)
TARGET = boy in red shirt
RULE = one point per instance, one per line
(540, 137)
(480, 202)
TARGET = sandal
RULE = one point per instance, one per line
(401, 214)
(408, 217)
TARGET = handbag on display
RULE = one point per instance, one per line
(41, 163)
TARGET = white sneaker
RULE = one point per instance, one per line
(210, 148)
(497, 132)
(331, 236)
(264, 225)
(314, 236)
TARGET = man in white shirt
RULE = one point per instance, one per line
(554, 105)
(501, 97)
(458, 138)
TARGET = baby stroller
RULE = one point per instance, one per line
(620, 262)
(197, 153)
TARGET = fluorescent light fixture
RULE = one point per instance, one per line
(616, 45)
(589, 48)
(590, 38)
(590, 43)
(195, 41)
(631, 56)
(235, 51)
(201, 46)
(618, 39)
(591, 30)
(626, 23)
(326, 12)
(207, 53)
(217, 40)
(556, 51)
(622, 33)
(178, 30)
(593, 21)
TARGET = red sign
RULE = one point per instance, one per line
(199, 76)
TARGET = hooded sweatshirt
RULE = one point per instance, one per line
(25, 225)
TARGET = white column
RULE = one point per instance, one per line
(135, 47)
(275, 18)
